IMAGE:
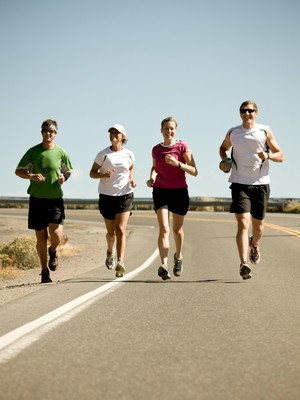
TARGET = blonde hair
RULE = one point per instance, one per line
(168, 119)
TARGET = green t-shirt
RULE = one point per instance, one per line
(48, 162)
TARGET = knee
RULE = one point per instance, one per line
(243, 224)
(120, 230)
(164, 231)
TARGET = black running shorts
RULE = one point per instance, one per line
(251, 199)
(43, 212)
(175, 200)
(109, 206)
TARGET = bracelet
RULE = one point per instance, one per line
(179, 165)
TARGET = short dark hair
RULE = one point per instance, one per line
(48, 122)
(247, 103)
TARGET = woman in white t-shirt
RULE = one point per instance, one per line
(114, 167)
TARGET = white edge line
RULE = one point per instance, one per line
(16, 334)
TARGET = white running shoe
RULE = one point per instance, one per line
(163, 272)
(120, 269)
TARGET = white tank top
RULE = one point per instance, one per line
(247, 167)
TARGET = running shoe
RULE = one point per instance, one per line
(45, 276)
(178, 267)
(163, 272)
(120, 269)
(53, 261)
(110, 262)
(254, 255)
(245, 271)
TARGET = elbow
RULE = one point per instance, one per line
(282, 157)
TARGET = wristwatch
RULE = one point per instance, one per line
(179, 165)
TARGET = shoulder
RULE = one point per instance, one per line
(234, 129)
(262, 127)
(129, 153)
(182, 145)
(157, 148)
(103, 152)
(60, 150)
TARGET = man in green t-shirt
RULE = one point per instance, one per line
(48, 166)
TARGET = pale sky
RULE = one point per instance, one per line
(90, 64)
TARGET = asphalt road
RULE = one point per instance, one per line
(205, 335)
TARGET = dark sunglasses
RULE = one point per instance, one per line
(45, 130)
(249, 110)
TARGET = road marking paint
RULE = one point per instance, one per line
(12, 343)
(293, 232)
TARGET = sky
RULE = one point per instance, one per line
(94, 63)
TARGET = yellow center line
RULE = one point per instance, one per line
(293, 232)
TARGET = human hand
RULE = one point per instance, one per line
(38, 177)
(225, 165)
(60, 178)
(150, 182)
(263, 155)
(169, 159)
(108, 173)
(132, 183)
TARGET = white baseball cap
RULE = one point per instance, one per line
(119, 128)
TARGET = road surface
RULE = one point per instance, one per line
(206, 335)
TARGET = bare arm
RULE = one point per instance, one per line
(276, 153)
(131, 176)
(190, 166)
(96, 174)
(153, 174)
(25, 173)
(225, 147)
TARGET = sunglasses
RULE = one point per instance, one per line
(249, 110)
(48, 130)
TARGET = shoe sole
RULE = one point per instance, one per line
(245, 272)
(177, 272)
(163, 274)
(254, 262)
(110, 266)
(120, 271)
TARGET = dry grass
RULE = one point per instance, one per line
(292, 207)
(21, 255)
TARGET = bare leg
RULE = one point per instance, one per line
(41, 247)
(178, 234)
(110, 234)
(56, 234)
(257, 230)
(164, 231)
(121, 225)
(242, 239)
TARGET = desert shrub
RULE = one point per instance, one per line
(21, 253)
(292, 207)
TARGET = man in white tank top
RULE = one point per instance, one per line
(252, 147)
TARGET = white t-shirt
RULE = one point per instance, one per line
(119, 161)
(247, 167)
